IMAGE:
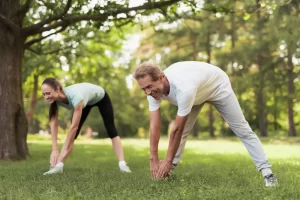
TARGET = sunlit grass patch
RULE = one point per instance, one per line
(210, 169)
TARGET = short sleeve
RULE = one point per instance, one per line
(76, 98)
(185, 102)
(153, 104)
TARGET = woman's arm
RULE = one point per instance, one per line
(54, 130)
(68, 145)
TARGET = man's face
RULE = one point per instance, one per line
(150, 87)
(49, 93)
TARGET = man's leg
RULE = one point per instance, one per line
(187, 129)
(230, 110)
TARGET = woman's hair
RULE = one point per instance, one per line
(147, 69)
(52, 82)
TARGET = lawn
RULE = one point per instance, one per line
(210, 169)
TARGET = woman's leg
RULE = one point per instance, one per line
(84, 115)
(106, 110)
(118, 148)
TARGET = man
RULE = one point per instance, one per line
(189, 85)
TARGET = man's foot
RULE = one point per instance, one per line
(54, 170)
(174, 166)
(270, 180)
(124, 168)
(170, 174)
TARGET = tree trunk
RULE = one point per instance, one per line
(32, 127)
(13, 122)
(261, 104)
(233, 39)
(291, 94)
(275, 114)
(211, 121)
(260, 93)
(195, 129)
(195, 43)
(33, 101)
(210, 112)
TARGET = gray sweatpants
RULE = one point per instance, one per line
(230, 110)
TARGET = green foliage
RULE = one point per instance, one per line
(81, 41)
(92, 61)
(229, 34)
(249, 41)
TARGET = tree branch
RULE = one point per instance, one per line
(34, 29)
(68, 20)
(123, 23)
(33, 41)
(43, 53)
(24, 9)
(46, 53)
(14, 27)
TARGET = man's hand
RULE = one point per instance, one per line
(53, 157)
(154, 165)
(164, 169)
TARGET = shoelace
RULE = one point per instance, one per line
(271, 177)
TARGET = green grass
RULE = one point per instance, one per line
(210, 169)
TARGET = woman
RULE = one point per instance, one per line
(80, 98)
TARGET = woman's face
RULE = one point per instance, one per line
(49, 93)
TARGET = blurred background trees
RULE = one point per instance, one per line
(255, 42)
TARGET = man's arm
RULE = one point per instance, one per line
(155, 127)
(68, 145)
(175, 137)
(174, 140)
(185, 102)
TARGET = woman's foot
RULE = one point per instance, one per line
(54, 170)
(123, 167)
(57, 169)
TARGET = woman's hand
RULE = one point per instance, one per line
(53, 157)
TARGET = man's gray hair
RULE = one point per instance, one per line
(147, 69)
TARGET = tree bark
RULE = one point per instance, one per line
(211, 121)
(260, 93)
(29, 114)
(33, 101)
(195, 129)
(275, 109)
(291, 94)
(195, 45)
(260, 99)
(13, 122)
(210, 112)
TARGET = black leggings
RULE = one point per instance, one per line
(106, 111)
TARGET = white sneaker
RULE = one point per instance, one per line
(270, 180)
(124, 168)
(54, 170)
